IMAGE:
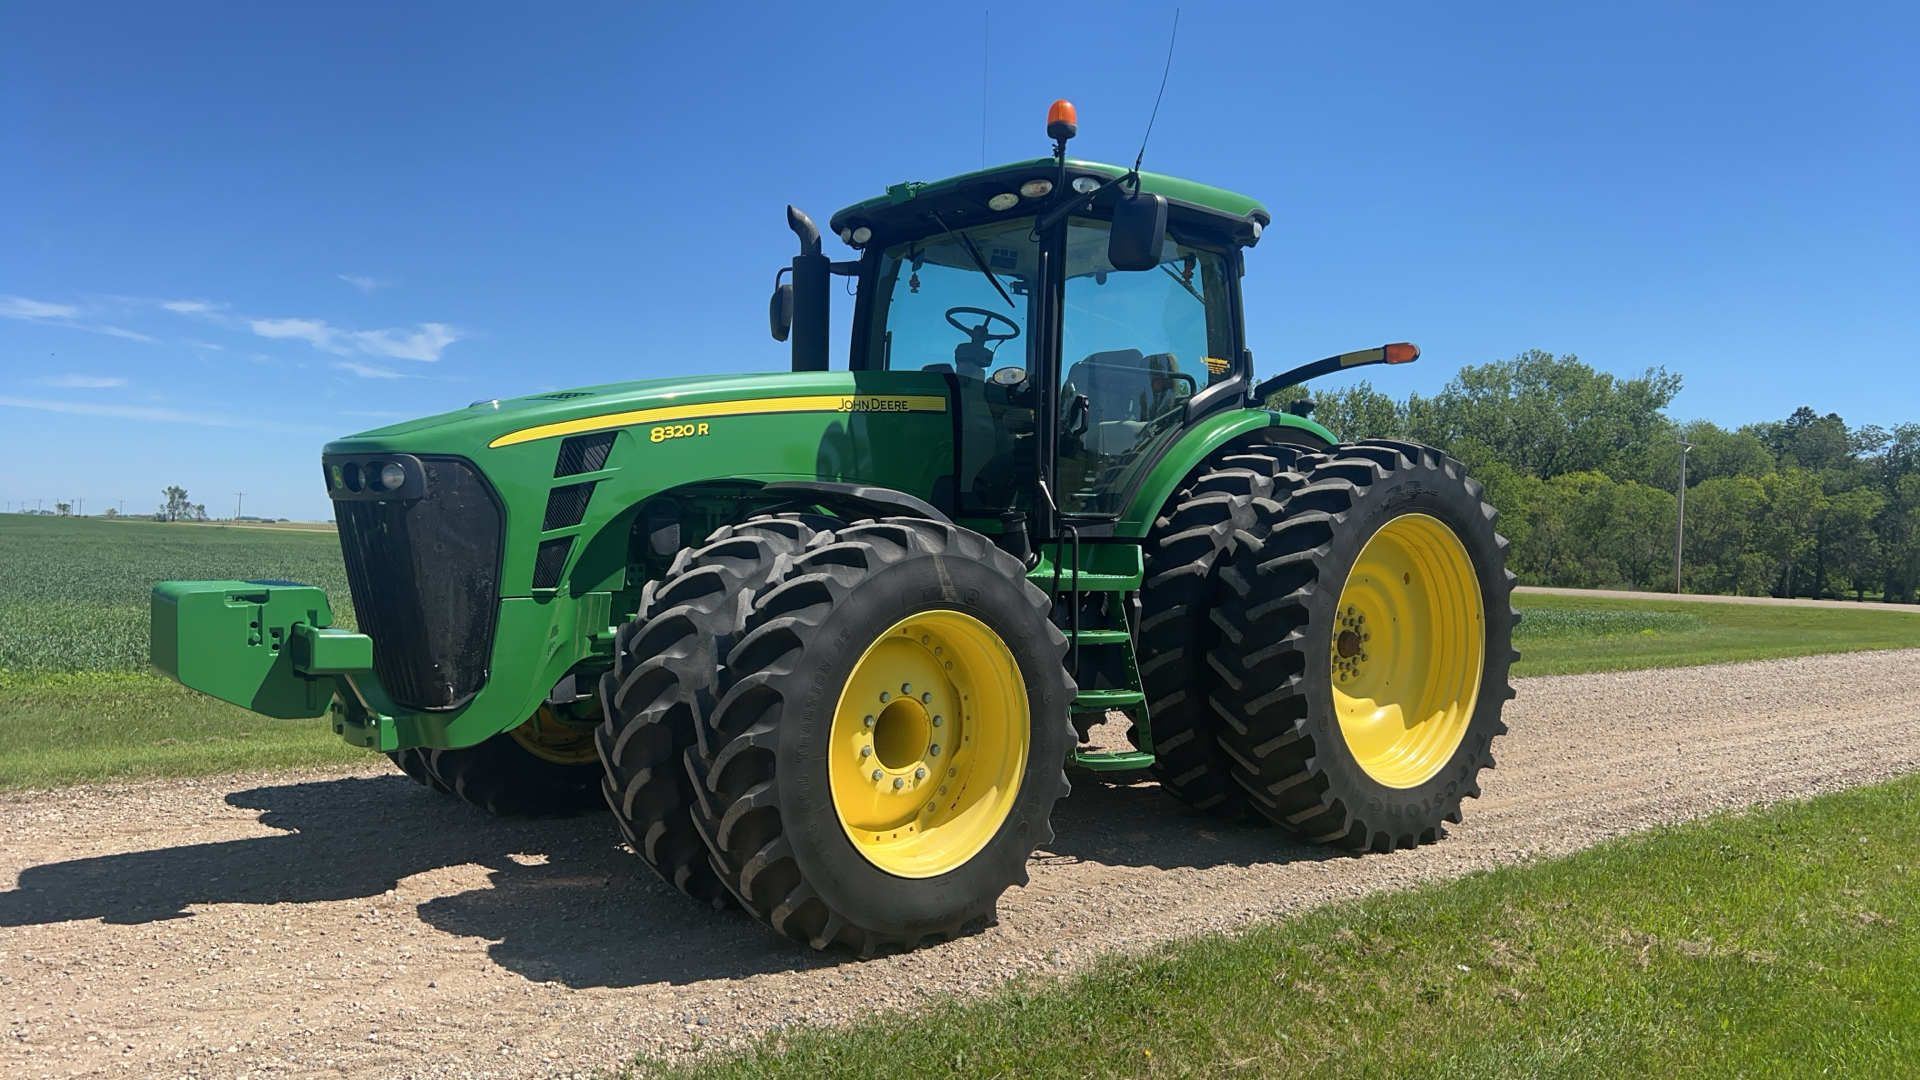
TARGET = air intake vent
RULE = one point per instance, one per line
(584, 453)
(549, 561)
(567, 505)
(563, 395)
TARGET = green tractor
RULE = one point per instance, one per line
(826, 640)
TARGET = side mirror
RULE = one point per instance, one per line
(1139, 231)
(780, 308)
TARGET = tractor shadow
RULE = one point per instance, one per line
(1123, 819)
(565, 901)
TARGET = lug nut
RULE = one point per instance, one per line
(866, 751)
(938, 720)
(934, 749)
(883, 697)
(929, 808)
(906, 688)
(898, 783)
(926, 697)
(876, 774)
(869, 720)
(920, 773)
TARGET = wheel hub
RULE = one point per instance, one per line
(1409, 642)
(546, 736)
(929, 744)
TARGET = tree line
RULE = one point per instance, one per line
(1584, 469)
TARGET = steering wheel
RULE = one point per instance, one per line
(980, 335)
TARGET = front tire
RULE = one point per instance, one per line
(545, 768)
(878, 823)
(1366, 640)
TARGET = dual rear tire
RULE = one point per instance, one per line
(872, 723)
(1356, 628)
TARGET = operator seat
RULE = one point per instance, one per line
(1124, 390)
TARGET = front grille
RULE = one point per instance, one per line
(425, 576)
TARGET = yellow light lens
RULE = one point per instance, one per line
(1037, 189)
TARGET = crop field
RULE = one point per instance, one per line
(78, 700)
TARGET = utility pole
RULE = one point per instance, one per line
(1680, 514)
(238, 498)
(79, 507)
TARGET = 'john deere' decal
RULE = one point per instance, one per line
(845, 403)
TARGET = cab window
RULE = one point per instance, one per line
(1135, 346)
(936, 310)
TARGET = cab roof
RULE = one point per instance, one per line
(904, 207)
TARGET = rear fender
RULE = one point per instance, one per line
(1200, 441)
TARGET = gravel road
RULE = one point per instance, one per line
(354, 924)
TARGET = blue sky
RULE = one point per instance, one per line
(230, 232)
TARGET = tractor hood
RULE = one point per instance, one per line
(493, 424)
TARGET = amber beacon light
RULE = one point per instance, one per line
(1062, 122)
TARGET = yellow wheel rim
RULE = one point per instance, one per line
(545, 735)
(1407, 651)
(929, 744)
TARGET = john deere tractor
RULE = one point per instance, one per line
(826, 640)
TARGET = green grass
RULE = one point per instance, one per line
(78, 700)
(65, 728)
(1563, 635)
(1785, 942)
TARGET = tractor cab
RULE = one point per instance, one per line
(1082, 314)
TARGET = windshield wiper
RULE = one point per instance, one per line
(1183, 283)
(979, 262)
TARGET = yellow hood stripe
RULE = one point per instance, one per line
(846, 403)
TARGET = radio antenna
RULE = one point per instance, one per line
(1141, 156)
(986, 36)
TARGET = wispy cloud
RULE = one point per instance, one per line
(206, 345)
(82, 382)
(426, 344)
(19, 307)
(154, 412)
(364, 283)
(191, 307)
(40, 311)
(315, 331)
(366, 371)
